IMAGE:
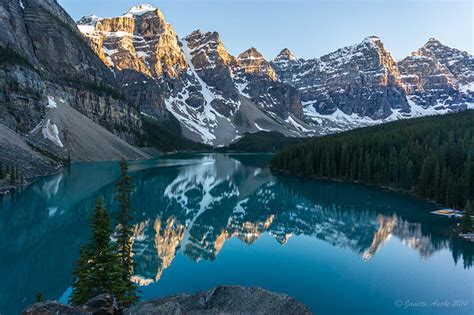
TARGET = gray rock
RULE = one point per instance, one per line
(220, 300)
(223, 300)
(104, 304)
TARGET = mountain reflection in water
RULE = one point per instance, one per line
(192, 205)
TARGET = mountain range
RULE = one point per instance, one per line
(81, 90)
(217, 97)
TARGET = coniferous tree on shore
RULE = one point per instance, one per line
(124, 233)
(431, 157)
(97, 270)
(38, 297)
(2, 172)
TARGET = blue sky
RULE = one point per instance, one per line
(309, 28)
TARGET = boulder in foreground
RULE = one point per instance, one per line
(219, 300)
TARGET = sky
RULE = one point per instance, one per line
(309, 28)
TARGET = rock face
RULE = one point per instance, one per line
(362, 79)
(251, 61)
(46, 64)
(220, 300)
(140, 40)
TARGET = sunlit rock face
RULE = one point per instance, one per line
(139, 40)
(145, 54)
(383, 234)
(155, 247)
(252, 61)
(248, 231)
(439, 77)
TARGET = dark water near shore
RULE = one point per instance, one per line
(205, 220)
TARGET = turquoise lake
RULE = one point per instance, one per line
(208, 219)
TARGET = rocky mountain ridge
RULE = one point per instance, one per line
(217, 97)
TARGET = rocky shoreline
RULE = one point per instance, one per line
(219, 300)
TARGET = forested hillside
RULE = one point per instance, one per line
(431, 157)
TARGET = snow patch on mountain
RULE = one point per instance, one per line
(51, 102)
(298, 126)
(260, 128)
(202, 121)
(50, 131)
(140, 9)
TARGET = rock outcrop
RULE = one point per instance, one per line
(104, 304)
(220, 300)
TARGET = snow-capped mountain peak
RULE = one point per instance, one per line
(372, 39)
(89, 20)
(140, 9)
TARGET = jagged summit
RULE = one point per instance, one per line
(196, 33)
(284, 55)
(199, 34)
(140, 9)
(88, 20)
(209, 47)
(371, 39)
(433, 40)
(251, 52)
(252, 61)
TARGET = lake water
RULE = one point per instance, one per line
(205, 220)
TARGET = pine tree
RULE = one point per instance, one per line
(124, 234)
(97, 270)
(38, 297)
(2, 173)
(82, 286)
(466, 221)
